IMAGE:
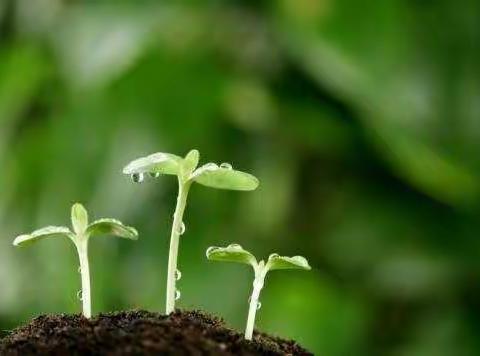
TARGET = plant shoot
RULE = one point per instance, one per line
(221, 176)
(82, 231)
(235, 253)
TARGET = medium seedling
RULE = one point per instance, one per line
(211, 175)
(82, 231)
(235, 253)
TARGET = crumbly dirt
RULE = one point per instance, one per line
(139, 333)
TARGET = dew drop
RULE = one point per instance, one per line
(137, 177)
(178, 275)
(177, 294)
(210, 167)
(274, 255)
(154, 174)
(79, 295)
(226, 165)
(79, 269)
(234, 246)
(182, 229)
(259, 305)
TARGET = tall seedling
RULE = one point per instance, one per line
(211, 175)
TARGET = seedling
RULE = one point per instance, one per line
(211, 175)
(82, 231)
(235, 253)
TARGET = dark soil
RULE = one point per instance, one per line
(139, 333)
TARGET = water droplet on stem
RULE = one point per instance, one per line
(259, 305)
(79, 295)
(154, 174)
(182, 229)
(177, 294)
(178, 275)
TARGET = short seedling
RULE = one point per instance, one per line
(82, 231)
(211, 175)
(235, 253)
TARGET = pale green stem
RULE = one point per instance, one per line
(183, 188)
(260, 273)
(82, 249)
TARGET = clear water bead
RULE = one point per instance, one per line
(79, 295)
(210, 167)
(234, 246)
(178, 275)
(182, 229)
(154, 174)
(259, 305)
(137, 177)
(177, 294)
(226, 165)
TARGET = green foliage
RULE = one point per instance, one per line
(45, 232)
(82, 232)
(211, 175)
(231, 253)
(360, 119)
(235, 253)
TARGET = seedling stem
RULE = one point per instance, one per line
(177, 227)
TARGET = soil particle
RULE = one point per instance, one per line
(139, 333)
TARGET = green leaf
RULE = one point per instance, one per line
(224, 177)
(49, 231)
(282, 262)
(112, 227)
(231, 253)
(164, 163)
(79, 218)
(190, 162)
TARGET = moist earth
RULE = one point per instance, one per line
(139, 333)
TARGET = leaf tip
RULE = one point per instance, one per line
(19, 239)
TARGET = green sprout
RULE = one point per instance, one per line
(235, 253)
(221, 176)
(82, 231)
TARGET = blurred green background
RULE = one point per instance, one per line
(361, 119)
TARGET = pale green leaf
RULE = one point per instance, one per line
(190, 162)
(282, 262)
(164, 163)
(112, 227)
(79, 218)
(231, 253)
(49, 231)
(224, 177)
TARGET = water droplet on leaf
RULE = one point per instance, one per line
(154, 174)
(137, 177)
(178, 275)
(79, 295)
(79, 269)
(226, 166)
(274, 255)
(177, 294)
(210, 167)
(259, 305)
(234, 246)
